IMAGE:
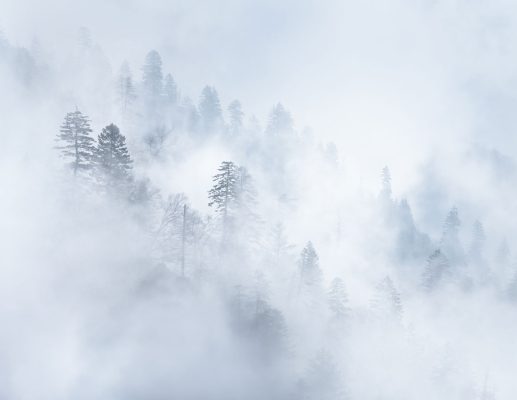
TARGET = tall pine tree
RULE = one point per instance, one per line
(112, 156)
(75, 142)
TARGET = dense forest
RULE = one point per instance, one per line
(159, 244)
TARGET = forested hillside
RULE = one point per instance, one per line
(161, 243)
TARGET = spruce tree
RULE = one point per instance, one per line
(112, 156)
(126, 93)
(152, 75)
(386, 303)
(210, 110)
(75, 142)
(386, 183)
(170, 90)
(310, 276)
(338, 300)
(236, 117)
(436, 271)
(280, 121)
(223, 194)
(450, 242)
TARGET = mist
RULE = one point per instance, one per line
(258, 200)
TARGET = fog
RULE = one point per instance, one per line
(258, 200)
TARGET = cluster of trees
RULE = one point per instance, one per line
(107, 159)
(234, 238)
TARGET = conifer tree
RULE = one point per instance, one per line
(75, 142)
(323, 380)
(280, 121)
(338, 300)
(386, 303)
(170, 90)
(112, 156)
(310, 275)
(450, 243)
(152, 75)
(223, 194)
(386, 183)
(476, 250)
(436, 271)
(126, 93)
(236, 117)
(210, 110)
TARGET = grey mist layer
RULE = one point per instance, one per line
(242, 200)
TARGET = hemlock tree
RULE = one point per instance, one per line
(126, 93)
(477, 245)
(280, 121)
(310, 275)
(223, 194)
(323, 380)
(152, 77)
(450, 242)
(76, 144)
(170, 90)
(236, 117)
(386, 303)
(386, 183)
(112, 157)
(210, 110)
(436, 271)
(338, 300)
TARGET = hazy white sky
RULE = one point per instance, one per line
(375, 76)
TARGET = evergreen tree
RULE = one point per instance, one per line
(224, 193)
(280, 121)
(450, 242)
(210, 110)
(192, 119)
(75, 142)
(411, 244)
(386, 183)
(126, 93)
(310, 276)
(223, 196)
(386, 303)
(476, 250)
(236, 117)
(112, 156)
(170, 90)
(338, 300)
(323, 380)
(152, 76)
(436, 271)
